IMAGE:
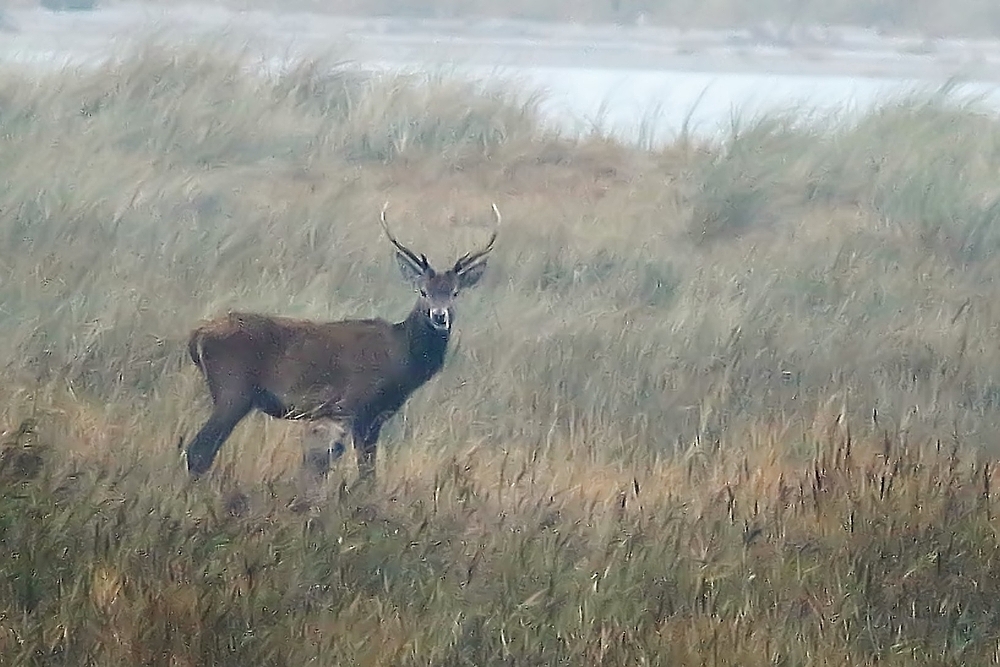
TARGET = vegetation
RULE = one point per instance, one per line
(727, 403)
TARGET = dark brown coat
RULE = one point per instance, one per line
(356, 372)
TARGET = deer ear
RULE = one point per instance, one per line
(412, 274)
(469, 276)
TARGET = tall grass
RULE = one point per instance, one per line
(716, 403)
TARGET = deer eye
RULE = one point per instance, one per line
(423, 292)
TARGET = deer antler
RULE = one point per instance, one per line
(466, 261)
(420, 262)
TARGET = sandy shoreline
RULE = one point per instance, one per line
(37, 35)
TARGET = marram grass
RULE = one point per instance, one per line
(725, 403)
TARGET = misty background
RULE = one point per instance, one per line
(644, 71)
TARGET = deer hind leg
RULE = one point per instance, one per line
(323, 444)
(232, 402)
(365, 435)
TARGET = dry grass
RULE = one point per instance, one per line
(719, 404)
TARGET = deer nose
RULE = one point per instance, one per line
(440, 318)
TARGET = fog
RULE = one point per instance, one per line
(635, 78)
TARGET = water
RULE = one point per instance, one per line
(601, 81)
(652, 107)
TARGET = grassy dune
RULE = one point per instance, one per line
(719, 404)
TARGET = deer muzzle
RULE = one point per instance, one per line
(440, 318)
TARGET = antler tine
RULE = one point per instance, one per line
(418, 262)
(470, 258)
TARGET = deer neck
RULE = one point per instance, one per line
(426, 345)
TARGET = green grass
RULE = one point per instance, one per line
(727, 403)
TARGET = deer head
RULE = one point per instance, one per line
(437, 291)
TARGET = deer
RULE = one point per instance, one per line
(355, 374)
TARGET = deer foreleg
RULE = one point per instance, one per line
(205, 445)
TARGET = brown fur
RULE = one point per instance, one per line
(356, 372)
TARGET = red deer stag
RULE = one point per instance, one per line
(357, 373)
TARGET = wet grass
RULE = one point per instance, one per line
(725, 402)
